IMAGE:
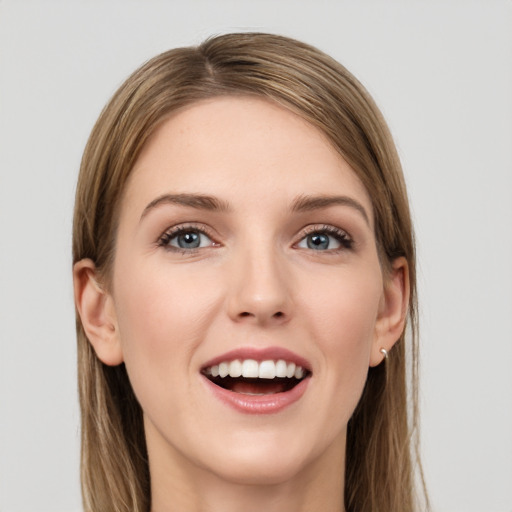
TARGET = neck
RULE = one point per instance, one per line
(179, 485)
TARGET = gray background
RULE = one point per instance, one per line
(442, 74)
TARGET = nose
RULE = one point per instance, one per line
(259, 289)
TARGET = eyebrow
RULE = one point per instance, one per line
(302, 203)
(308, 203)
(198, 201)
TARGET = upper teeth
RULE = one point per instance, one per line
(250, 368)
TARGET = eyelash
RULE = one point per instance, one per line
(165, 239)
(344, 239)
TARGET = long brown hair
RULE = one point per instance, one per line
(382, 450)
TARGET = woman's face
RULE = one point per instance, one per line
(245, 244)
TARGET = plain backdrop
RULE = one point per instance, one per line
(442, 74)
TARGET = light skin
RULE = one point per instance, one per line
(287, 258)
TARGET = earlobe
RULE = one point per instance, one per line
(392, 311)
(96, 309)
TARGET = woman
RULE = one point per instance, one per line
(244, 268)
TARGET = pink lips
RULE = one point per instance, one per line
(259, 404)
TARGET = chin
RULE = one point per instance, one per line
(264, 458)
(270, 470)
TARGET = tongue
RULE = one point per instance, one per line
(263, 387)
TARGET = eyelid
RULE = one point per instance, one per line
(343, 236)
(328, 228)
(171, 232)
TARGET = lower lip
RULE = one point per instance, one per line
(258, 404)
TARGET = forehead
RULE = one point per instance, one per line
(240, 148)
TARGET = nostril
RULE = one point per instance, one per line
(261, 316)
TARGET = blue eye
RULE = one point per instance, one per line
(325, 239)
(185, 239)
(320, 242)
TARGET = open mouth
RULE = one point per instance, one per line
(257, 378)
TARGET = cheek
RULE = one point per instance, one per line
(345, 308)
(343, 314)
(162, 315)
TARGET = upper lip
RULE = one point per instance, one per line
(259, 354)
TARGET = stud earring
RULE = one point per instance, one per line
(384, 352)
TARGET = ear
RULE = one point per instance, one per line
(392, 310)
(97, 313)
